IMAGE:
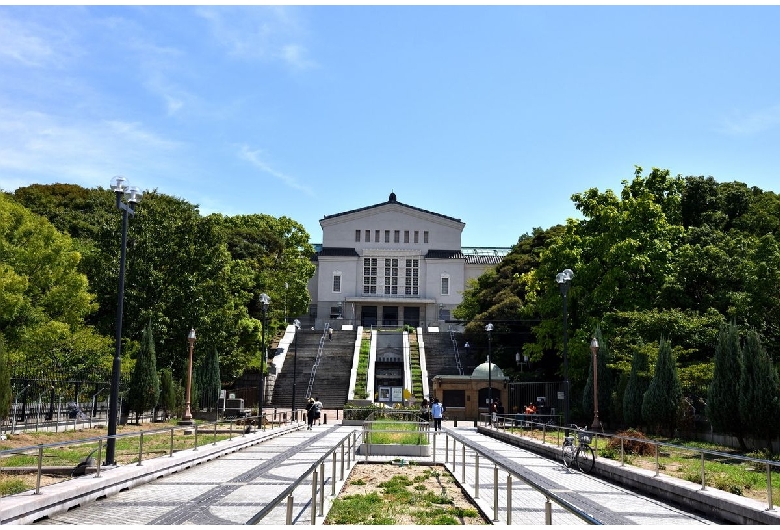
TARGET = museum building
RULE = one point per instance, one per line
(392, 264)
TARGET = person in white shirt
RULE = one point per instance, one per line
(437, 411)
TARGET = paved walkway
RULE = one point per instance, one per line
(233, 488)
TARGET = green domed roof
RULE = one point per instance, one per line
(481, 372)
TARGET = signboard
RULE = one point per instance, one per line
(391, 394)
(560, 395)
(384, 393)
(398, 394)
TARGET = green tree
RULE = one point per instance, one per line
(638, 383)
(758, 391)
(209, 383)
(144, 390)
(721, 409)
(663, 396)
(5, 381)
(167, 392)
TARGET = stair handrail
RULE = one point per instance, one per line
(455, 349)
(316, 361)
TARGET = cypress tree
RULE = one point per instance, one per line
(758, 391)
(144, 390)
(638, 382)
(721, 409)
(663, 396)
(5, 381)
(167, 392)
(209, 381)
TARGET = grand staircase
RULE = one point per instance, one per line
(440, 356)
(331, 381)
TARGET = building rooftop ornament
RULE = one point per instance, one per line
(392, 197)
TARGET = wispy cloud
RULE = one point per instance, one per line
(752, 123)
(45, 148)
(259, 32)
(23, 43)
(256, 159)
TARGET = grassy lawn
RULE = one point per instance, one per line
(126, 449)
(383, 494)
(725, 473)
(396, 432)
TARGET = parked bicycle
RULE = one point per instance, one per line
(581, 454)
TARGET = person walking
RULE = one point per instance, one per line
(317, 409)
(330, 333)
(437, 411)
(310, 413)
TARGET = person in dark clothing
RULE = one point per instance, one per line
(311, 413)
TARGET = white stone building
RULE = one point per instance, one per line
(392, 264)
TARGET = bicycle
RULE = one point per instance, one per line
(582, 453)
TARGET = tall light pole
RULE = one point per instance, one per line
(264, 300)
(132, 198)
(594, 348)
(489, 329)
(187, 417)
(564, 282)
(297, 324)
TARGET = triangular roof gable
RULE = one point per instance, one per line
(390, 202)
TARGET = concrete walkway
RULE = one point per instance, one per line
(232, 488)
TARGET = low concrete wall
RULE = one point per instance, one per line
(712, 502)
(394, 450)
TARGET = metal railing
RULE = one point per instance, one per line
(602, 439)
(208, 432)
(313, 375)
(317, 472)
(455, 349)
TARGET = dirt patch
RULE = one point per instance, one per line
(403, 494)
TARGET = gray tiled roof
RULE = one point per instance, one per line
(391, 200)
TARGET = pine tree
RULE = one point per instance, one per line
(167, 392)
(5, 381)
(663, 396)
(638, 382)
(144, 388)
(721, 409)
(758, 391)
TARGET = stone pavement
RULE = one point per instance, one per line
(234, 487)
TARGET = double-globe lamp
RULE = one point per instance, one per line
(564, 282)
(132, 196)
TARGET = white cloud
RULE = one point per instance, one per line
(41, 148)
(255, 158)
(21, 43)
(752, 123)
(259, 32)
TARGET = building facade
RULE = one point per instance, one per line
(392, 264)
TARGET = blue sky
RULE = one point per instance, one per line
(493, 115)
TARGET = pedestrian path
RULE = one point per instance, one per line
(606, 503)
(227, 490)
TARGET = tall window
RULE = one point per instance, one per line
(412, 279)
(406, 236)
(396, 236)
(376, 236)
(425, 237)
(368, 236)
(416, 236)
(387, 236)
(445, 285)
(357, 236)
(391, 275)
(369, 275)
(337, 283)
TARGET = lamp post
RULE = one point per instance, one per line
(489, 329)
(297, 324)
(264, 300)
(132, 198)
(564, 282)
(594, 348)
(187, 417)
